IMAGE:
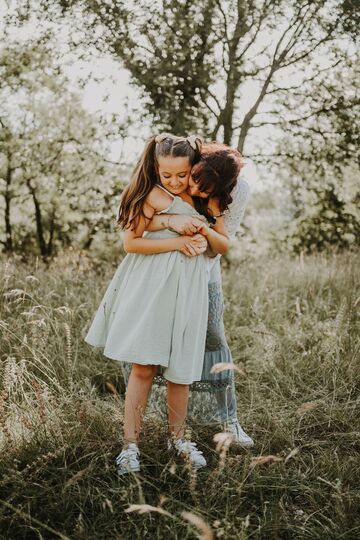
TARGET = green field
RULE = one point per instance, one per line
(292, 325)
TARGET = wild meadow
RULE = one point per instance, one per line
(83, 85)
(293, 328)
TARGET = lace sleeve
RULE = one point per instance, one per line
(235, 213)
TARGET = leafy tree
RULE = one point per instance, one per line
(55, 184)
(327, 222)
(193, 60)
(324, 171)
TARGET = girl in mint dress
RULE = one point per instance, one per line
(155, 308)
(154, 311)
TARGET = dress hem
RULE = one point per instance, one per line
(131, 358)
(155, 363)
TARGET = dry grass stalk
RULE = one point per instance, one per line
(291, 454)
(308, 406)
(41, 461)
(9, 380)
(109, 386)
(224, 366)
(145, 508)
(40, 401)
(190, 469)
(77, 476)
(68, 343)
(263, 460)
(204, 530)
(223, 441)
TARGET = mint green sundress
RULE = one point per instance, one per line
(155, 309)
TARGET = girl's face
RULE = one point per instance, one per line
(174, 173)
(194, 191)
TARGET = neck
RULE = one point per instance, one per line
(186, 197)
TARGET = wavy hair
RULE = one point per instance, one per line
(216, 172)
(145, 173)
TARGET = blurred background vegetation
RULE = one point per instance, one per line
(276, 79)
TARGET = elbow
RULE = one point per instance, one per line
(128, 246)
(225, 248)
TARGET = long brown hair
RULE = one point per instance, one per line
(217, 172)
(145, 175)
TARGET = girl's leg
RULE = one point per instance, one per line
(216, 345)
(226, 402)
(217, 350)
(137, 392)
(177, 397)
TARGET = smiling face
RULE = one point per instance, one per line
(194, 190)
(174, 173)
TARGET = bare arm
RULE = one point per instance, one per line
(159, 222)
(217, 238)
(135, 243)
(152, 246)
(182, 224)
(235, 213)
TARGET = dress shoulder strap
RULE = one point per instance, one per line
(168, 192)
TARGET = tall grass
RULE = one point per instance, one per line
(293, 327)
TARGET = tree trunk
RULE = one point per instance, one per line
(8, 244)
(90, 238)
(228, 113)
(246, 125)
(49, 246)
(38, 220)
(233, 74)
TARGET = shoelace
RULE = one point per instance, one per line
(234, 426)
(127, 455)
(188, 447)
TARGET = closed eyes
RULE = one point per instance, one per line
(183, 175)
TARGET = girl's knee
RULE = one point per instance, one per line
(144, 372)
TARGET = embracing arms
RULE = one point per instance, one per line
(190, 225)
(134, 242)
(216, 237)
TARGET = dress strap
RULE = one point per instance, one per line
(161, 187)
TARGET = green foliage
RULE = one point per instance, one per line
(323, 161)
(325, 224)
(56, 188)
(192, 60)
(178, 67)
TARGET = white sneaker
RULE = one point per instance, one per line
(240, 437)
(128, 460)
(188, 450)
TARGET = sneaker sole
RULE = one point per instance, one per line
(127, 471)
(243, 444)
